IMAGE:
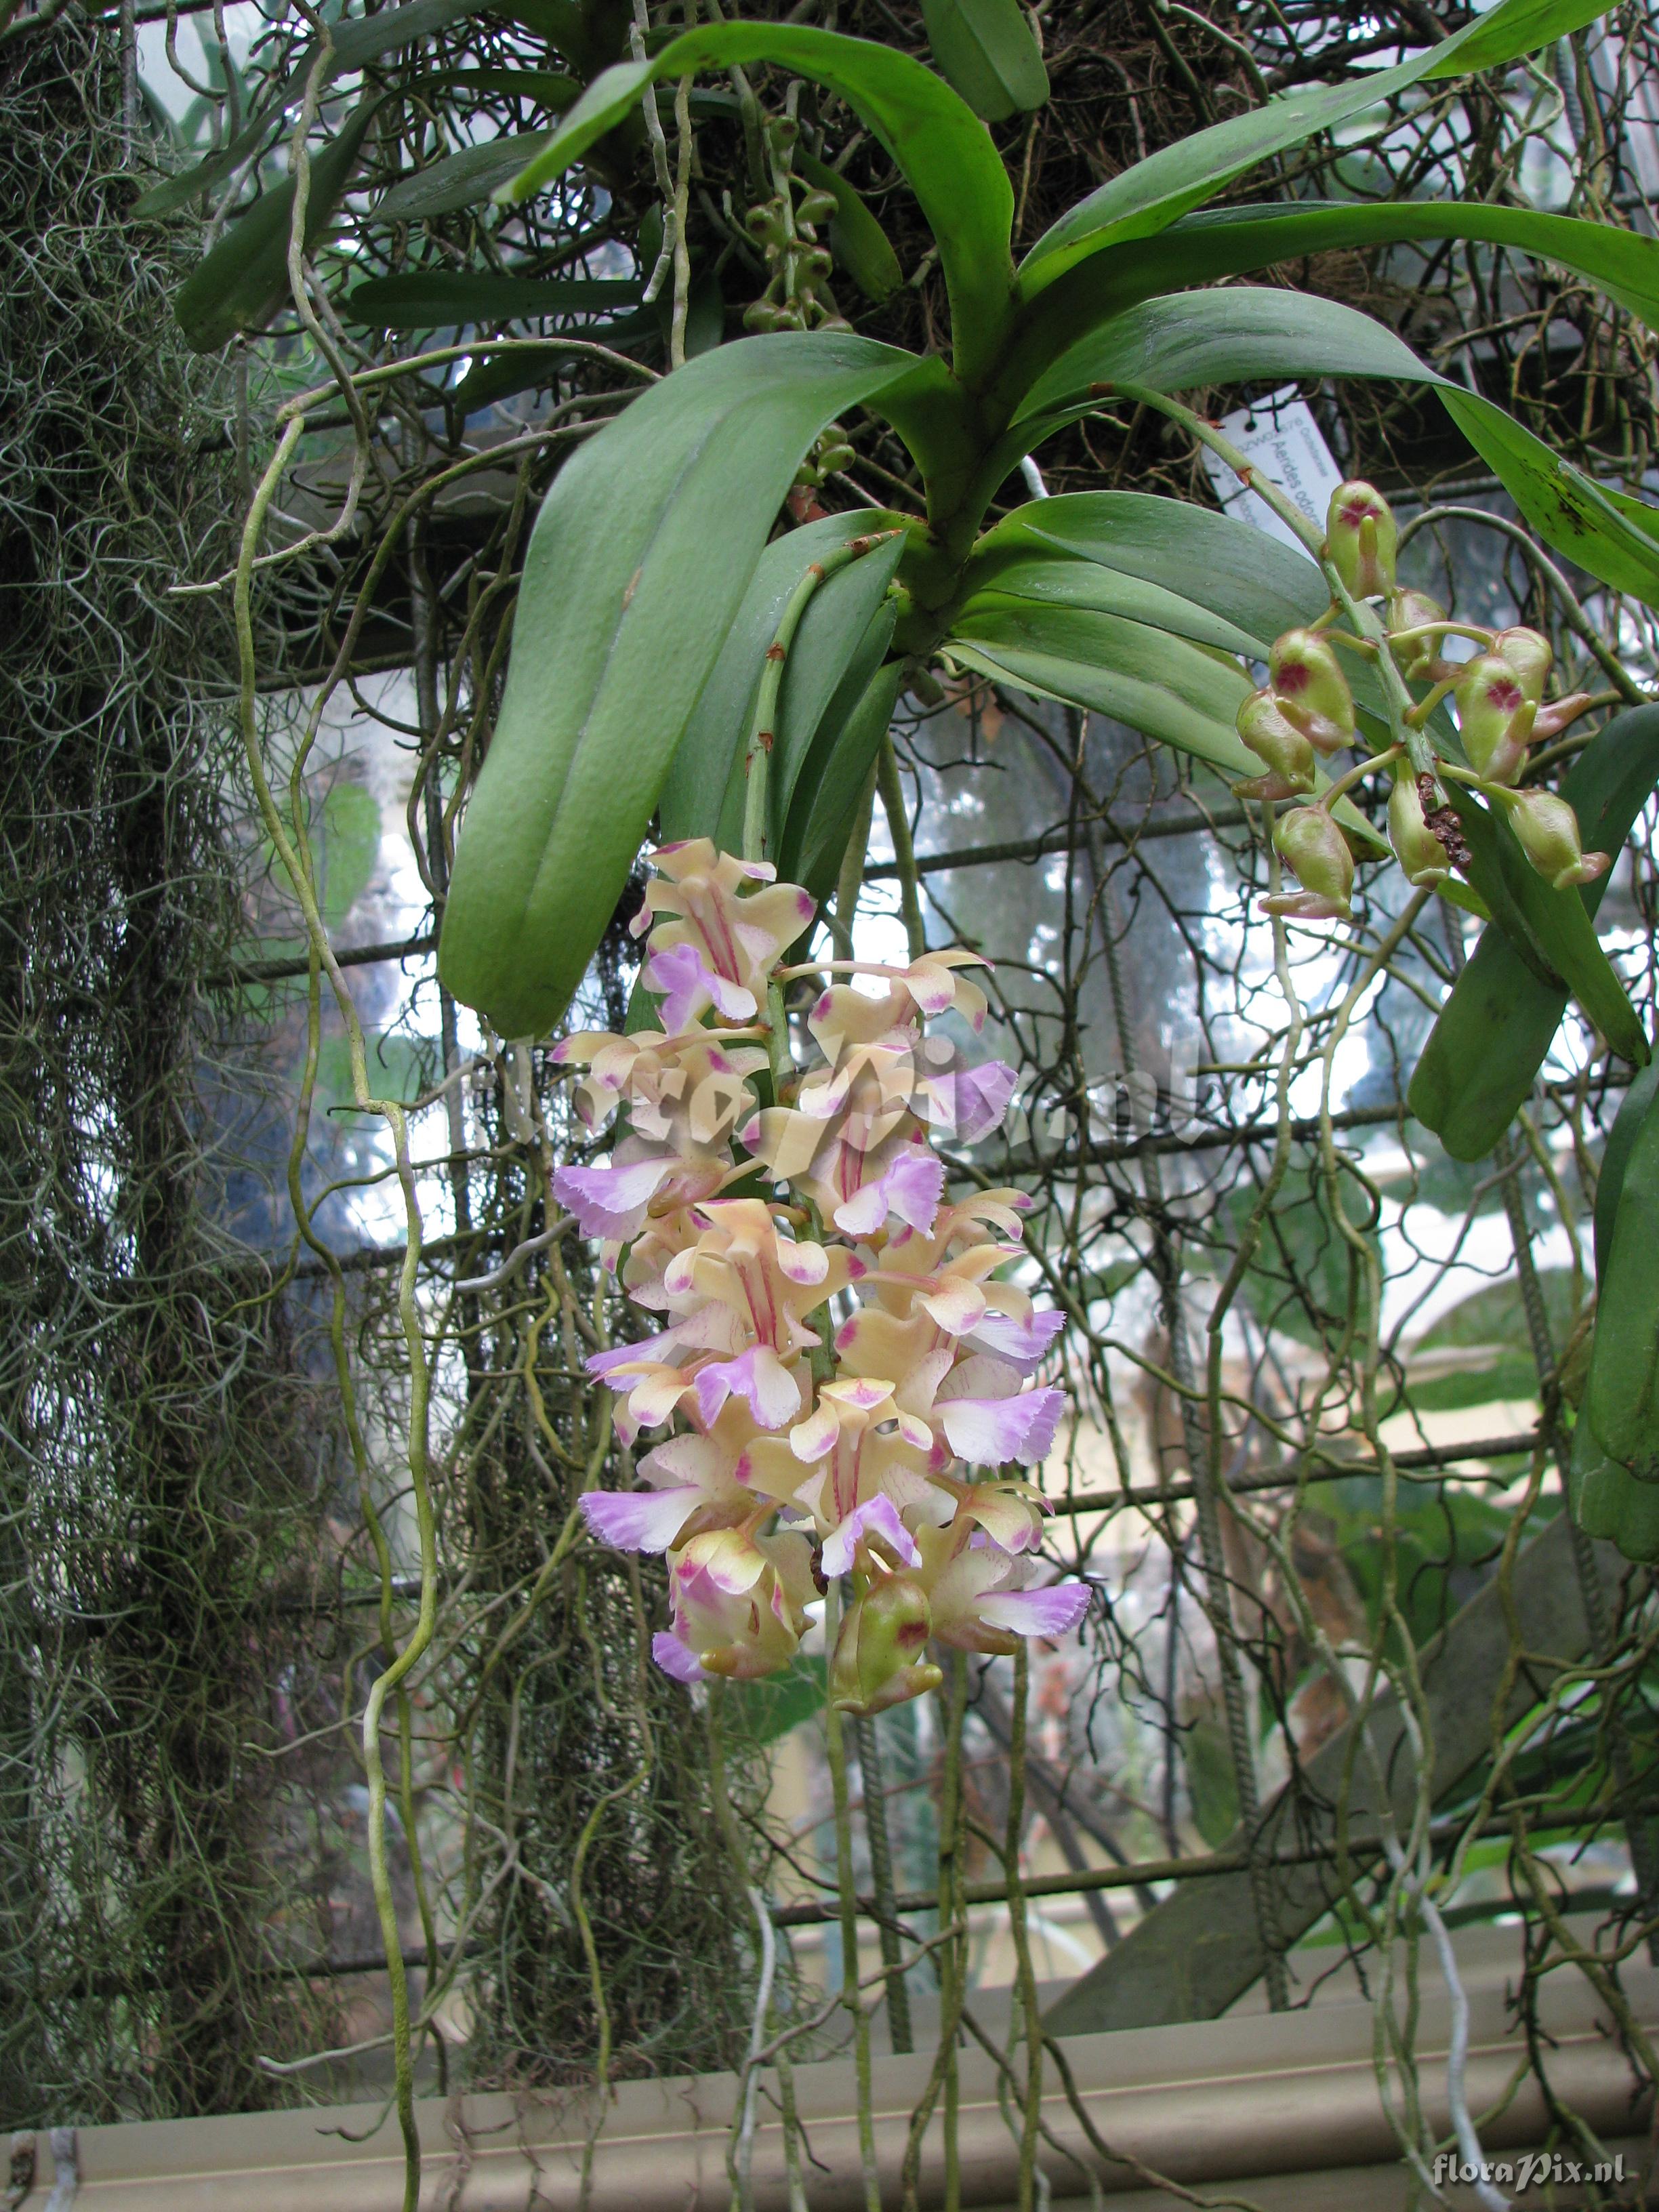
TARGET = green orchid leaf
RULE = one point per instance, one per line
(1231, 241)
(1153, 194)
(1161, 685)
(1601, 533)
(1056, 579)
(459, 181)
(940, 145)
(986, 50)
(637, 565)
(1489, 1038)
(856, 239)
(438, 298)
(1620, 1407)
(818, 844)
(1255, 583)
(547, 88)
(1615, 1159)
(243, 281)
(709, 758)
(1551, 930)
(843, 640)
(1246, 332)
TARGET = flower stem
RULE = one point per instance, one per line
(835, 1744)
(898, 826)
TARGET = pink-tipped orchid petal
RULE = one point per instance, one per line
(1021, 1343)
(806, 1264)
(956, 1306)
(759, 1377)
(989, 1432)
(688, 986)
(612, 1202)
(970, 1102)
(910, 1187)
(639, 1521)
(877, 1516)
(810, 1439)
(675, 1659)
(914, 1430)
(1053, 1611)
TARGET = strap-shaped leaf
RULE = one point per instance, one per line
(939, 142)
(856, 239)
(436, 298)
(1489, 1040)
(1551, 930)
(1149, 197)
(817, 845)
(1256, 584)
(1161, 685)
(709, 755)
(242, 282)
(832, 773)
(1246, 333)
(499, 375)
(1229, 241)
(1054, 578)
(460, 180)
(1615, 1158)
(639, 560)
(985, 50)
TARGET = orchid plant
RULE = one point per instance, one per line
(842, 1369)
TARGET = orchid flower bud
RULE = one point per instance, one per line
(1420, 658)
(1317, 853)
(1360, 539)
(1495, 718)
(1530, 656)
(1548, 832)
(878, 1659)
(1417, 850)
(1311, 690)
(1275, 740)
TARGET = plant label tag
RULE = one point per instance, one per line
(1280, 437)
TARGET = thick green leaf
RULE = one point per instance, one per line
(354, 43)
(1153, 194)
(1491, 1036)
(460, 180)
(1551, 930)
(1161, 685)
(940, 145)
(856, 239)
(547, 88)
(1621, 1392)
(1609, 1502)
(841, 641)
(1561, 503)
(709, 755)
(819, 843)
(242, 282)
(832, 775)
(1251, 581)
(637, 565)
(1615, 1158)
(1231, 241)
(1058, 579)
(437, 298)
(1246, 332)
(985, 50)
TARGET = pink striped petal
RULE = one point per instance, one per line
(612, 1202)
(1053, 1611)
(877, 1516)
(639, 1521)
(672, 1657)
(1022, 1343)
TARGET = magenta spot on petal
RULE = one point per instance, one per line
(822, 1008)
(856, 1269)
